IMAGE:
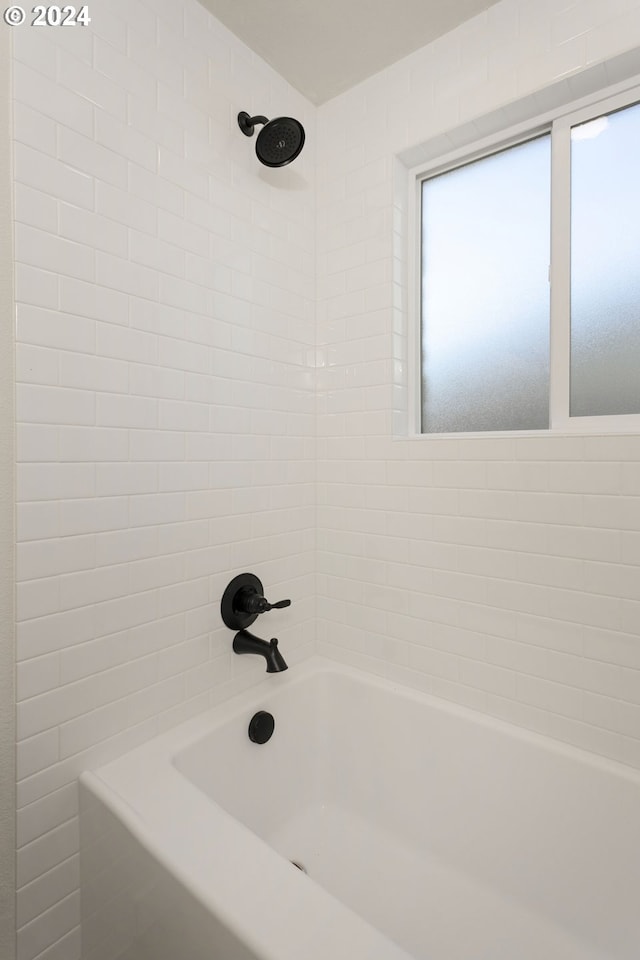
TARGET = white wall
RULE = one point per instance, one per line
(166, 326)
(165, 404)
(7, 651)
(498, 573)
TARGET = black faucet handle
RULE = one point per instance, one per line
(254, 603)
(279, 605)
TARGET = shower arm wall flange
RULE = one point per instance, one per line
(247, 123)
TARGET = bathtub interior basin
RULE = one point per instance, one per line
(422, 829)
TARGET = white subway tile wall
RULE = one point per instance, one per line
(166, 406)
(183, 314)
(498, 573)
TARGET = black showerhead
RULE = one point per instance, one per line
(280, 140)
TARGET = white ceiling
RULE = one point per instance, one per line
(323, 47)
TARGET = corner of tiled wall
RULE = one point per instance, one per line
(165, 288)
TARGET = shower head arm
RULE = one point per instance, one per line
(247, 123)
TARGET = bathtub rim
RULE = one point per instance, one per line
(277, 930)
(187, 733)
(144, 787)
(233, 906)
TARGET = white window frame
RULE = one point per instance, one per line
(558, 122)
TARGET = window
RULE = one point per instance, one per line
(529, 295)
(605, 265)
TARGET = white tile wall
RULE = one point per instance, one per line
(165, 351)
(499, 573)
(167, 391)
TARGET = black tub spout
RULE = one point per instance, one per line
(245, 642)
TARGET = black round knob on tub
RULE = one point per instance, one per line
(261, 727)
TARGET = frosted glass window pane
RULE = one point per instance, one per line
(485, 293)
(605, 265)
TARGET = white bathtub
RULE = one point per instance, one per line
(426, 831)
